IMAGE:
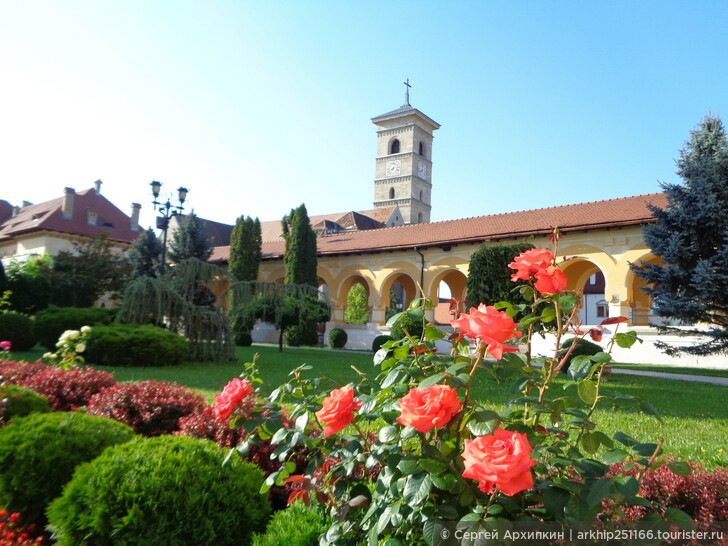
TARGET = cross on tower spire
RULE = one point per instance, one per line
(406, 92)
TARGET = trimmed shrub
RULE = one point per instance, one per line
(337, 338)
(50, 323)
(243, 339)
(39, 453)
(180, 494)
(68, 390)
(135, 345)
(150, 407)
(305, 334)
(206, 425)
(379, 341)
(414, 326)
(17, 401)
(583, 347)
(17, 328)
(297, 525)
(15, 372)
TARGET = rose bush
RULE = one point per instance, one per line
(436, 454)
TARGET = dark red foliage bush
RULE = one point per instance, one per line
(15, 372)
(205, 424)
(150, 408)
(68, 390)
(14, 534)
(702, 495)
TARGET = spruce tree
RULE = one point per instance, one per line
(190, 240)
(690, 238)
(300, 255)
(246, 242)
(145, 254)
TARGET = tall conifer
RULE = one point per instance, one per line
(690, 238)
(246, 242)
(300, 256)
(189, 240)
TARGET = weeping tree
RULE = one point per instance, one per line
(183, 300)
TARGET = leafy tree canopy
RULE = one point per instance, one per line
(357, 311)
(690, 238)
(30, 284)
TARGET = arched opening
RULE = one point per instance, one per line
(419, 217)
(401, 290)
(451, 286)
(357, 304)
(394, 147)
(391, 193)
(420, 195)
(422, 149)
(586, 276)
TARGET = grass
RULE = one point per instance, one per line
(694, 416)
(709, 372)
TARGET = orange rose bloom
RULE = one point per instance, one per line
(550, 280)
(338, 410)
(424, 409)
(233, 393)
(501, 460)
(491, 326)
(530, 262)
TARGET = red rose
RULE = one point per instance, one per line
(233, 393)
(550, 280)
(338, 410)
(491, 326)
(530, 262)
(424, 409)
(501, 460)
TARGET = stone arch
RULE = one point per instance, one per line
(640, 303)
(394, 146)
(588, 277)
(274, 275)
(403, 285)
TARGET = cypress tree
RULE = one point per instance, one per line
(690, 237)
(489, 279)
(246, 242)
(300, 255)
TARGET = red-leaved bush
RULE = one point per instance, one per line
(15, 372)
(14, 534)
(68, 390)
(205, 424)
(150, 408)
(702, 495)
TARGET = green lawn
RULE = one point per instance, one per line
(694, 415)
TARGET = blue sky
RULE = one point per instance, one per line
(260, 106)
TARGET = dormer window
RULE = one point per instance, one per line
(91, 217)
(394, 147)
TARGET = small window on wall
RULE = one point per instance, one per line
(602, 309)
(394, 148)
(391, 193)
(422, 149)
(419, 217)
(420, 195)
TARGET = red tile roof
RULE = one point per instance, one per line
(48, 216)
(625, 211)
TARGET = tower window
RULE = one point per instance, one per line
(419, 217)
(420, 195)
(394, 147)
(391, 193)
(422, 149)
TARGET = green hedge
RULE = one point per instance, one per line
(39, 453)
(50, 323)
(338, 338)
(169, 490)
(18, 329)
(135, 345)
(297, 525)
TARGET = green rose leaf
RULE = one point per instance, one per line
(679, 518)
(587, 391)
(433, 333)
(580, 367)
(409, 465)
(483, 422)
(590, 442)
(417, 489)
(626, 339)
(679, 467)
(388, 434)
(432, 380)
(598, 489)
(628, 486)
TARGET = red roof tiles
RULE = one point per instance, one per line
(624, 211)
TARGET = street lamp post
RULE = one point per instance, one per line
(166, 210)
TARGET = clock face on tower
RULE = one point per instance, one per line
(422, 170)
(394, 167)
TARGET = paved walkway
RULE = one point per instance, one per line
(678, 376)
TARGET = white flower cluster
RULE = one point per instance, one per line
(70, 344)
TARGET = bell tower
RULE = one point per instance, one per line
(403, 175)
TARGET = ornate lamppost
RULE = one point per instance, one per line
(166, 210)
